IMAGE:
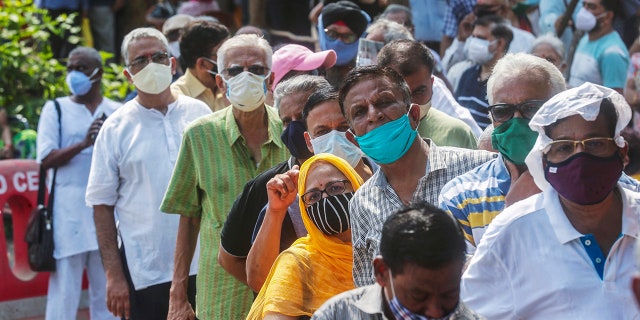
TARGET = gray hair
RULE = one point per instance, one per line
(298, 84)
(142, 33)
(244, 40)
(555, 43)
(90, 53)
(522, 65)
(391, 30)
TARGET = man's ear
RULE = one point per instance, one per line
(414, 115)
(380, 271)
(220, 83)
(624, 154)
(127, 75)
(270, 80)
(307, 139)
(174, 65)
(635, 285)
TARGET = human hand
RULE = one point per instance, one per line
(282, 189)
(465, 28)
(118, 296)
(92, 133)
(180, 309)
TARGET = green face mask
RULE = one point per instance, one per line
(514, 139)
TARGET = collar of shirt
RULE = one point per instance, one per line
(371, 302)
(192, 84)
(273, 122)
(434, 162)
(565, 231)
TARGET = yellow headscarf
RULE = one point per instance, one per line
(315, 267)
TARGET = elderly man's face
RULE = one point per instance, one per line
(373, 102)
(290, 108)
(433, 293)
(142, 51)
(240, 59)
(545, 51)
(577, 128)
(516, 90)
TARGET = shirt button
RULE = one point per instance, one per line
(598, 260)
(587, 242)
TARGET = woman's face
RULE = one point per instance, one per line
(321, 175)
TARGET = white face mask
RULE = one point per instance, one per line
(154, 78)
(478, 50)
(247, 91)
(336, 143)
(585, 20)
(424, 109)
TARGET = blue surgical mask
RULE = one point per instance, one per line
(345, 52)
(399, 311)
(388, 142)
(79, 83)
(336, 143)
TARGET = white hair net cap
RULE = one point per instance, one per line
(585, 101)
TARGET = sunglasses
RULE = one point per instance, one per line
(255, 69)
(347, 38)
(502, 112)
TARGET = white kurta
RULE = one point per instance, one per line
(134, 157)
(74, 229)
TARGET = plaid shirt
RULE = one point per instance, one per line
(455, 11)
(376, 200)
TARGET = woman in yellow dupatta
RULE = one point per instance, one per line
(318, 266)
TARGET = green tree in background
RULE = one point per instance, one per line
(29, 75)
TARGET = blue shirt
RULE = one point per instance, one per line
(455, 11)
(604, 61)
(472, 94)
(428, 19)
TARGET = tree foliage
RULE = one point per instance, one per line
(29, 75)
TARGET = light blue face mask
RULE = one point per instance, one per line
(401, 312)
(345, 52)
(388, 142)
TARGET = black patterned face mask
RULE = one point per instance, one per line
(331, 214)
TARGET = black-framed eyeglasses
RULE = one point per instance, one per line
(333, 188)
(501, 112)
(255, 69)
(140, 62)
(560, 150)
(347, 38)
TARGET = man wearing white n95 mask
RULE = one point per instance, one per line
(134, 155)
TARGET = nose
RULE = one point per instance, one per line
(434, 309)
(517, 114)
(373, 113)
(578, 147)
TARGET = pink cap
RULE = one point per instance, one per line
(300, 58)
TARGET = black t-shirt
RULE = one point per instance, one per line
(238, 229)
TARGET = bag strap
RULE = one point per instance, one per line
(43, 171)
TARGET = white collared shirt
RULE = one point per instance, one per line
(133, 160)
(533, 264)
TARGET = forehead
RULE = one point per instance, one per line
(325, 113)
(322, 173)
(339, 28)
(292, 104)
(576, 127)
(431, 280)
(245, 56)
(483, 31)
(517, 89)
(368, 88)
(398, 16)
(544, 48)
(144, 46)
(80, 59)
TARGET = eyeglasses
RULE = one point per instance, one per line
(333, 188)
(502, 112)
(141, 62)
(347, 38)
(560, 150)
(255, 69)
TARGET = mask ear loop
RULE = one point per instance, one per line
(95, 71)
